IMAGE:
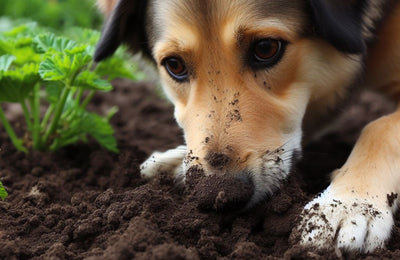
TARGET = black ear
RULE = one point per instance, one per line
(124, 25)
(340, 23)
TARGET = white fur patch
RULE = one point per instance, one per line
(350, 224)
(169, 162)
(275, 168)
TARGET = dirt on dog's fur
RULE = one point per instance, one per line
(84, 202)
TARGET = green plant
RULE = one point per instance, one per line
(41, 71)
(3, 192)
(57, 14)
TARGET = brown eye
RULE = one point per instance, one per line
(267, 52)
(176, 68)
(266, 49)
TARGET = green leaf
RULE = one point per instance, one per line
(53, 91)
(90, 80)
(5, 46)
(25, 55)
(100, 129)
(49, 42)
(63, 66)
(5, 62)
(49, 70)
(81, 123)
(21, 49)
(28, 29)
(15, 85)
(115, 67)
(3, 192)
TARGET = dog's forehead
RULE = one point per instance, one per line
(207, 15)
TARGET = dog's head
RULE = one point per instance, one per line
(242, 73)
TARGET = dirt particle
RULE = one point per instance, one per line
(315, 206)
(391, 198)
(234, 115)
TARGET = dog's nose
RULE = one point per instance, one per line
(225, 192)
(217, 161)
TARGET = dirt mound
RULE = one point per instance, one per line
(84, 202)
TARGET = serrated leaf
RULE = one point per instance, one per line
(22, 52)
(62, 66)
(23, 42)
(15, 85)
(100, 129)
(48, 70)
(90, 80)
(50, 42)
(84, 123)
(78, 49)
(22, 30)
(25, 55)
(5, 62)
(3, 192)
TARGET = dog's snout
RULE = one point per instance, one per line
(217, 160)
(226, 192)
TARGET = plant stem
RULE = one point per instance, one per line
(27, 115)
(78, 97)
(47, 116)
(88, 98)
(60, 107)
(57, 114)
(36, 118)
(18, 143)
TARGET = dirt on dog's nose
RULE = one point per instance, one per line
(225, 192)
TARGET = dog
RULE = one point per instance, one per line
(249, 79)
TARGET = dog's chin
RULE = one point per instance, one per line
(271, 174)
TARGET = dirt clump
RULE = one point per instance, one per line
(220, 192)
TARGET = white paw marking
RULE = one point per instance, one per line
(169, 162)
(350, 224)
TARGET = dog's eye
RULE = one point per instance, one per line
(176, 68)
(267, 52)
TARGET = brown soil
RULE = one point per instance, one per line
(84, 202)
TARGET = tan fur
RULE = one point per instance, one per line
(106, 6)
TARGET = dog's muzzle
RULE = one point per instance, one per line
(220, 192)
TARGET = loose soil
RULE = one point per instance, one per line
(83, 202)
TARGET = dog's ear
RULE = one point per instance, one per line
(340, 23)
(125, 24)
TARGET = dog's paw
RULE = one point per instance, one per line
(168, 162)
(346, 223)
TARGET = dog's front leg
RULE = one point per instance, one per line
(170, 162)
(355, 213)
